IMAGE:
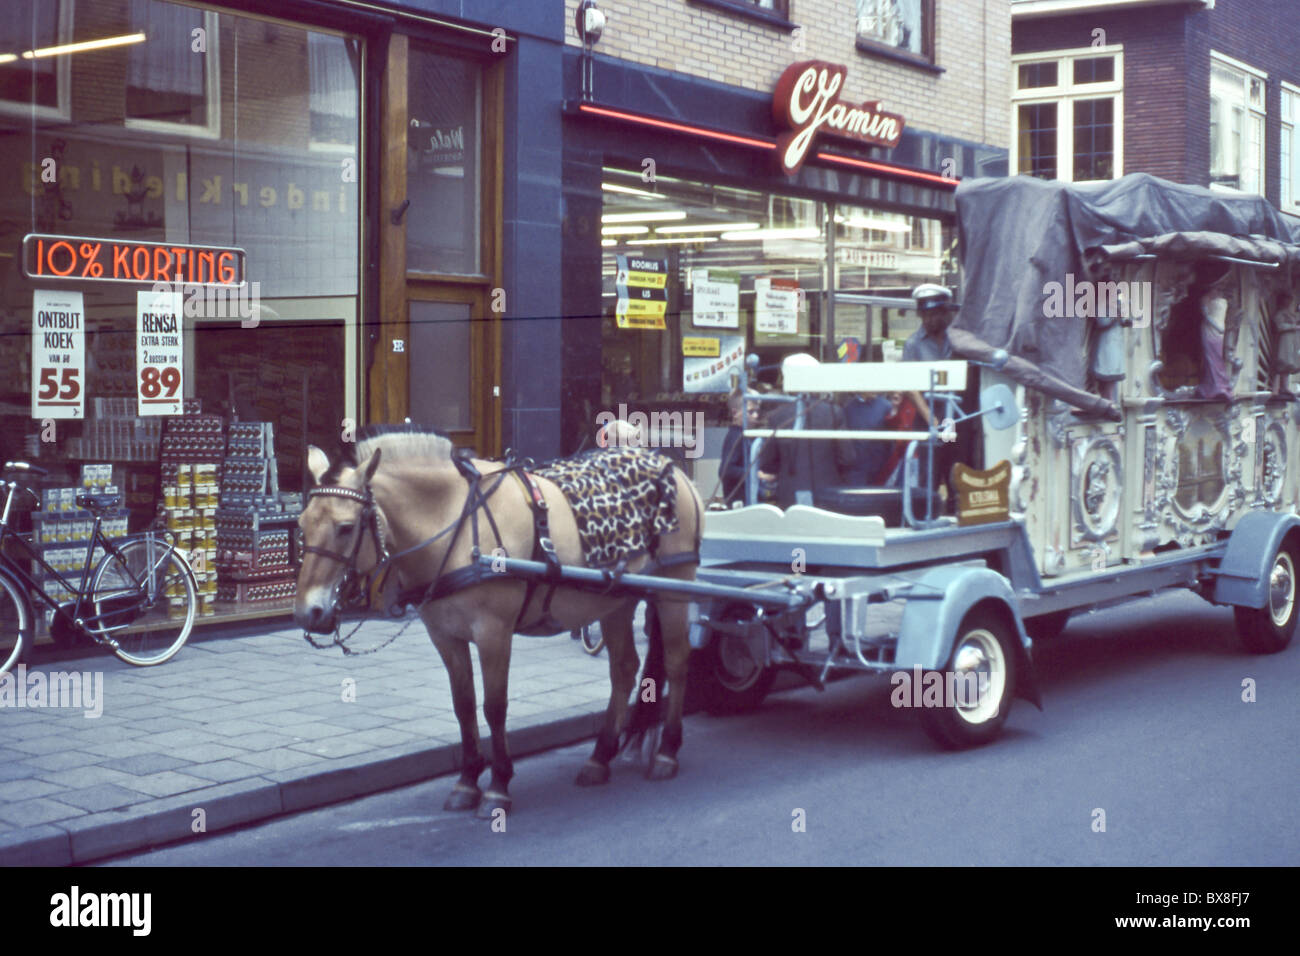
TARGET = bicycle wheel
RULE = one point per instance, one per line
(16, 634)
(145, 599)
(593, 641)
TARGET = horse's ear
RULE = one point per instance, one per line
(372, 464)
(317, 463)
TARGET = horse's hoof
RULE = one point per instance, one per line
(462, 798)
(491, 803)
(593, 774)
(663, 767)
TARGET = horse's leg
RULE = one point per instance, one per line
(645, 721)
(465, 794)
(494, 659)
(673, 631)
(616, 628)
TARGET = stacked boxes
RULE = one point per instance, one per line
(115, 433)
(61, 531)
(255, 521)
(189, 509)
(193, 438)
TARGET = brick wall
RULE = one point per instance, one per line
(1167, 75)
(972, 42)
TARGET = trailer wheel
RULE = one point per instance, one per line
(984, 647)
(729, 676)
(1268, 629)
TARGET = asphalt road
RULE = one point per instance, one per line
(1144, 720)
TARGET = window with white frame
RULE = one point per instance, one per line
(1236, 125)
(1290, 150)
(1067, 114)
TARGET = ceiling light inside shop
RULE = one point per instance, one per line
(84, 46)
(624, 230)
(609, 242)
(629, 191)
(674, 241)
(709, 227)
(666, 215)
(8, 57)
(807, 232)
(880, 225)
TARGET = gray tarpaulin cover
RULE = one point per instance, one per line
(1018, 233)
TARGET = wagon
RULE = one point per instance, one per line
(1127, 350)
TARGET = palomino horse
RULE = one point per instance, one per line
(410, 498)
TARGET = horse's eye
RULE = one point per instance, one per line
(346, 529)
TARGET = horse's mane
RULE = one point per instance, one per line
(404, 442)
(398, 442)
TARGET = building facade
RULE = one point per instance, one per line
(458, 213)
(1196, 92)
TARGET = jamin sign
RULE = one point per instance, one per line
(58, 355)
(159, 353)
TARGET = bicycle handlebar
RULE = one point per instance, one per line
(25, 466)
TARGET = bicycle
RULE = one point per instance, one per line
(139, 600)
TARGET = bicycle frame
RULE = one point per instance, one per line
(80, 615)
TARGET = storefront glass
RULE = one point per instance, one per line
(178, 145)
(746, 272)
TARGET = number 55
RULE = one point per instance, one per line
(50, 384)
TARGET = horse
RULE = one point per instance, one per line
(407, 519)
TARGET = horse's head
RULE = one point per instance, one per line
(342, 538)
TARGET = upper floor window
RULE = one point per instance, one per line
(1290, 150)
(905, 26)
(1067, 107)
(1236, 125)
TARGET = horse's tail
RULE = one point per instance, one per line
(647, 709)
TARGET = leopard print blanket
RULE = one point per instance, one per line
(623, 498)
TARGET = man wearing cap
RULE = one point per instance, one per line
(929, 343)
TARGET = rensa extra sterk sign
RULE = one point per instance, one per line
(806, 102)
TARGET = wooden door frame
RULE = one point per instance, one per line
(388, 389)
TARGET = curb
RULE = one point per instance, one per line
(98, 836)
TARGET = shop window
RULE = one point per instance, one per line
(744, 272)
(1236, 125)
(32, 76)
(173, 77)
(1065, 115)
(902, 26)
(444, 99)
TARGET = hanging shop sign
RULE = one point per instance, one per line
(58, 355)
(159, 353)
(715, 298)
(806, 102)
(111, 260)
(718, 373)
(776, 305)
(642, 287)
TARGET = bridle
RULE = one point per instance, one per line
(351, 575)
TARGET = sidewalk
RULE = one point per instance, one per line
(246, 727)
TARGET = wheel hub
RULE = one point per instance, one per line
(1281, 590)
(980, 662)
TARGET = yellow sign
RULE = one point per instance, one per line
(643, 280)
(702, 347)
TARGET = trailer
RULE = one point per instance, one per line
(1167, 470)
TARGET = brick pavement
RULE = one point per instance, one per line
(247, 727)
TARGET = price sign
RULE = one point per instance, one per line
(58, 355)
(159, 353)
